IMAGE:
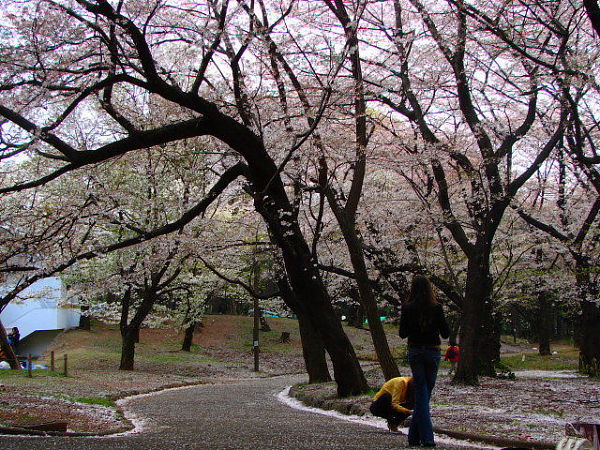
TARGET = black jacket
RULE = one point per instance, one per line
(423, 325)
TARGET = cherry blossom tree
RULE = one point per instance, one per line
(295, 90)
(485, 91)
(113, 57)
(574, 224)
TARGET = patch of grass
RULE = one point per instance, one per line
(371, 392)
(101, 401)
(563, 360)
(108, 343)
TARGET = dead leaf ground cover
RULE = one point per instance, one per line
(534, 406)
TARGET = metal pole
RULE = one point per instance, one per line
(255, 330)
(255, 335)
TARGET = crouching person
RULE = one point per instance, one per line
(394, 401)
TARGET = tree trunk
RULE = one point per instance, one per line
(589, 339)
(128, 339)
(7, 350)
(130, 332)
(347, 371)
(307, 284)
(479, 331)
(272, 203)
(587, 336)
(544, 322)
(188, 337)
(264, 326)
(593, 12)
(366, 295)
(313, 352)
(85, 322)
(313, 349)
(356, 314)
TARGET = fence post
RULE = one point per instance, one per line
(66, 371)
(52, 360)
(29, 374)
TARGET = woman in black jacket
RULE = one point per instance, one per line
(422, 321)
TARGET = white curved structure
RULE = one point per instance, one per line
(39, 315)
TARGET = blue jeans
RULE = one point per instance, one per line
(424, 363)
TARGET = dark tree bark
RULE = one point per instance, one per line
(130, 331)
(308, 287)
(128, 341)
(593, 11)
(356, 314)
(587, 336)
(270, 196)
(85, 321)
(479, 331)
(544, 322)
(127, 338)
(188, 337)
(589, 339)
(271, 202)
(313, 349)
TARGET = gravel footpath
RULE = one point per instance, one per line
(240, 415)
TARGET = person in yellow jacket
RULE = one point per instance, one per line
(394, 401)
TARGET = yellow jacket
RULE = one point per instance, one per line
(397, 388)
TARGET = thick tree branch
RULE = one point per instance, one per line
(143, 139)
(226, 179)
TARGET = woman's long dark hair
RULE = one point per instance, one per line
(421, 292)
(423, 298)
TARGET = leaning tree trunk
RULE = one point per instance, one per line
(307, 284)
(272, 203)
(313, 349)
(479, 331)
(367, 297)
(7, 351)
